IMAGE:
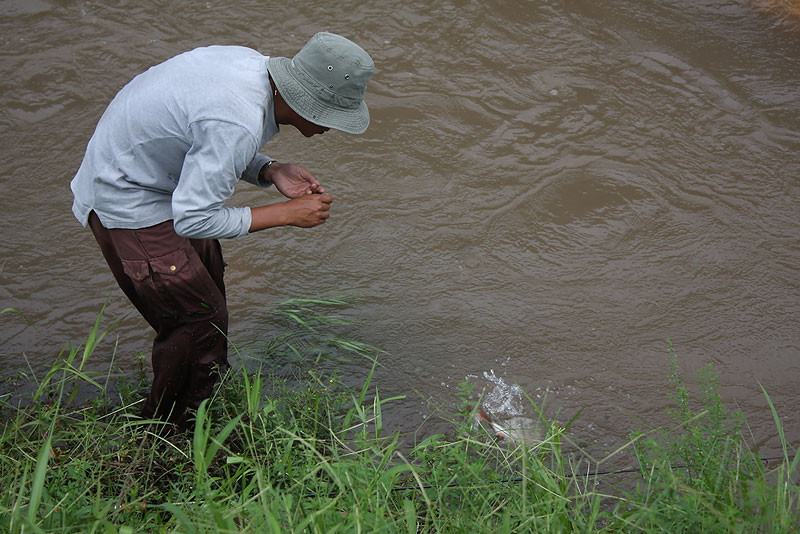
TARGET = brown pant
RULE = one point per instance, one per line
(177, 285)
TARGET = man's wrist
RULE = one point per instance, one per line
(264, 172)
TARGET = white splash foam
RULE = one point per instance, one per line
(503, 399)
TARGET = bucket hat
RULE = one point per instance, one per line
(325, 82)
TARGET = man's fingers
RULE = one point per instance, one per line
(306, 175)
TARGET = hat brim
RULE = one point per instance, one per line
(308, 106)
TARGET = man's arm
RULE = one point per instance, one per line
(213, 165)
(306, 211)
(219, 154)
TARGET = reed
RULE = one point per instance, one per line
(309, 454)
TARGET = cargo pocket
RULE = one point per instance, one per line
(188, 287)
(138, 270)
(171, 265)
(147, 299)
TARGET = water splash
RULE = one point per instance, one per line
(504, 399)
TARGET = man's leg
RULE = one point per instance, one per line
(177, 285)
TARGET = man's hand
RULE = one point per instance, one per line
(309, 210)
(292, 181)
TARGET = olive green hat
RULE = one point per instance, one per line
(325, 82)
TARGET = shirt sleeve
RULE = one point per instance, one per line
(250, 174)
(219, 155)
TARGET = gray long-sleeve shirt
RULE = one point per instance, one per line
(174, 142)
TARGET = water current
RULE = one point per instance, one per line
(547, 192)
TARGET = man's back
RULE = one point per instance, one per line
(215, 96)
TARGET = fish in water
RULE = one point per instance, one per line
(517, 430)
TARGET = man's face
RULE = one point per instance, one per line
(307, 128)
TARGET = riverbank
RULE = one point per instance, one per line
(269, 454)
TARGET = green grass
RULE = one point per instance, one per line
(305, 453)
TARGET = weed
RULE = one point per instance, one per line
(306, 453)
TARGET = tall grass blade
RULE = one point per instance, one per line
(410, 514)
(181, 516)
(39, 475)
(217, 442)
(14, 310)
(777, 420)
(95, 338)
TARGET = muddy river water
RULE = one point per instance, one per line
(547, 192)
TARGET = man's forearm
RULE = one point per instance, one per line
(269, 216)
(306, 211)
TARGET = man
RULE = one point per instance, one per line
(165, 157)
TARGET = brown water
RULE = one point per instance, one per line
(548, 190)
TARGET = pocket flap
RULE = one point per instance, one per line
(136, 269)
(172, 263)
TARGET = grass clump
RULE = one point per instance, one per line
(706, 474)
(307, 453)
